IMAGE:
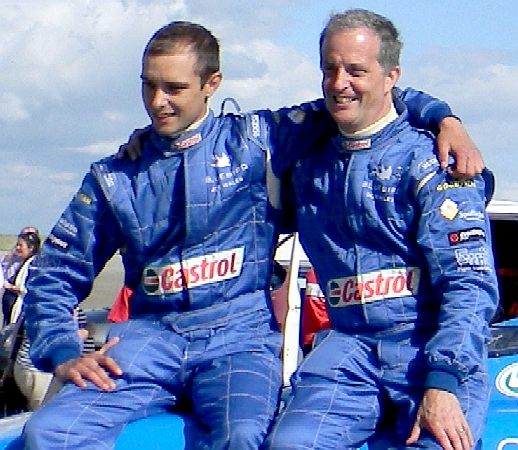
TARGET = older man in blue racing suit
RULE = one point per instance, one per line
(403, 253)
(195, 218)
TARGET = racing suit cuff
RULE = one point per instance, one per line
(64, 354)
(438, 379)
(434, 114)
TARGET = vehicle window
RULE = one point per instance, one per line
(505, 249)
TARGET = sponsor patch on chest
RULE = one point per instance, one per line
(373, 286)
(193, 272)
(357, 144)
(188, 142)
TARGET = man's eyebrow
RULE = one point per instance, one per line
(177, 84)
(170, 84)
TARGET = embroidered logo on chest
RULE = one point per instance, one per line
(373, 286)
(193, 272)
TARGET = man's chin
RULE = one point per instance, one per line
(166, 131)
(344, 121)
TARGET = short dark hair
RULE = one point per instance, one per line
(390, 43)
(181, 34)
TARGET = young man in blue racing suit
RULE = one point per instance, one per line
(403, 253)
(196, 222)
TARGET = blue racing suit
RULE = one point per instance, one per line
(404, 255)
(195, 222)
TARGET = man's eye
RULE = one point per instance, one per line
(329, 70)
(172, 90)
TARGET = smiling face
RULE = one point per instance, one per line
(357, 89)
(172, 90)
(22, 249)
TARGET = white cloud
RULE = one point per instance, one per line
(478, 83)
(98, 149)
(288, 76)
(482, 89)
(22, 175)
(53, 47)
(62, 177)
(12, 109)
(114, 116)
(29, 192)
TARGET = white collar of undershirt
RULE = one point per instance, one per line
(376, 126)
(193, 125)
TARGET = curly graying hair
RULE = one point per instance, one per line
(390, 43)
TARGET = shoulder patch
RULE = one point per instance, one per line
(256, 130)
(297, 116)
(83, 198)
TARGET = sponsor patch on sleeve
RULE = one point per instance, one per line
(472, 259)
(83, 198)
(449, 209)
(67, 227)
(468, 235)
(455, 184)
(57, 242)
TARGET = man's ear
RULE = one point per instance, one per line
(212, 84)
(392, 78)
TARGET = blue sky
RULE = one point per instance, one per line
(70, 88)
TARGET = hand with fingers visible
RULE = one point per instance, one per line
(441, 415)
(95, 367)
(453, 139)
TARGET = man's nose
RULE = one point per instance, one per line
(342, 79)
(159, 98)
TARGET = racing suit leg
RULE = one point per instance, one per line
(236, 386)
(236, 398)
(403, 372)
(335, 400)
(149, 356)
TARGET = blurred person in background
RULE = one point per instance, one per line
(36, 385)
(15, 267)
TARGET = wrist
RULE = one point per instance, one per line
(63, 355)
(449, 121)
(444, 381)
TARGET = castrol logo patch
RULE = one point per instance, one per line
(373, 286)
(193, 272)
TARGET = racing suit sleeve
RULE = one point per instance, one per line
(85, 237)
(424, 111)
(454, 234)
(289, 134)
